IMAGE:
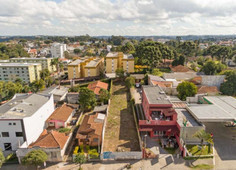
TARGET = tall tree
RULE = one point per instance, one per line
(104, 96)
(128, 48)
(87, 99)
(212, 67)
(186, 89)
(187, 48)
(229, 87)
(223, 53)
(35, 157)
(130, 82)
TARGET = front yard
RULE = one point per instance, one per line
(196, 150)
(120, 133)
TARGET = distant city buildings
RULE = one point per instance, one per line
(57, 50)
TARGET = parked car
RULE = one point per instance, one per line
(73, 122)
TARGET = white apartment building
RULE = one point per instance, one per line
(57, 50)
(28, 72)
(45, 62)
(22, 120)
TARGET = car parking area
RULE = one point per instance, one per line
(224, 140)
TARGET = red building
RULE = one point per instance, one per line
(161, 117)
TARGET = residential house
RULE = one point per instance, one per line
(22, 120)
(60, 117)
(32, 52)
(53, 143)
(59, 92)
(97, 86)
(209, 90)
(116, 60)
(90, 130)
(180, 68)
(72, 98)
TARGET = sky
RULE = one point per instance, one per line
(117, 17)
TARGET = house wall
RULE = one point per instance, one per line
(11, 129)
(130, 64)
(35, 124)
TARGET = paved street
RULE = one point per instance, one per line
(225, 145)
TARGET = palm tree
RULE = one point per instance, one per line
(203, 136)
(59, 66)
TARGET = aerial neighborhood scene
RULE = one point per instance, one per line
(117, 85)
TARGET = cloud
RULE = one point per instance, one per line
(101, 17)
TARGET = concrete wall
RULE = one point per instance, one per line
(121, 155)
(186, 134)
(11, 129)
(35, 124)
(215, 80)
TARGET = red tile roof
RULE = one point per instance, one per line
(89, 126)
(207, 89)
(97, 86)
(32, 51)
(61, 113)
(52, 139)
(180, 68)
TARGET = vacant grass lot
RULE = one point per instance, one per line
(120, 131)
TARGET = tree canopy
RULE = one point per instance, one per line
(213, 67)
(130, 82)
(128, 48)
(80, 159)
(87, 99)
(35, 157)
(151, 53)
(104, 96)
(186, 89)
(12, 51)
(229, 87)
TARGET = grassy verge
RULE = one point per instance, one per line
(196, 150)
(203, 166)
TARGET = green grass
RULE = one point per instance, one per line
(170, 150)
(63, 130)
(196, 150)
(203, 166)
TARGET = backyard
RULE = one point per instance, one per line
(196, 150)
(120, 134)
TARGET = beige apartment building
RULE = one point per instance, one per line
(116, 60)
(45, 62)
(94, 67)
(80, 68)
(28, 72)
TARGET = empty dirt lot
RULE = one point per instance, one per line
(120, 130)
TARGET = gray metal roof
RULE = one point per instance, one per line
(93, 63)
(112, 54)
(182, 115)
(76, 62)
(179, 76)
(22, 105)
(155, 95)
(18, 64)
(209, 113)
(128, 56)
(226, 103)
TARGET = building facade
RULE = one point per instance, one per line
(45, 62)
(22, 120)
(94, 67)
(57, 50)
(28, 72)
(115, 60)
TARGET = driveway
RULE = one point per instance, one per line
(225, 145)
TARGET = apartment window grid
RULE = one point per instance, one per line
(112, 65)
(88, 72)
(74, 74)
(127, 66)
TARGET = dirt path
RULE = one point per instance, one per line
(120, 130)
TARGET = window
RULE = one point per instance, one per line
(5, 134)
(14, 123)
(9, 123)
(7, 146)
(19, 134)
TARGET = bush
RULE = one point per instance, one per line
(87, 147)
(81, 148)
(93, 153)
(76, 150)
(63, 130)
